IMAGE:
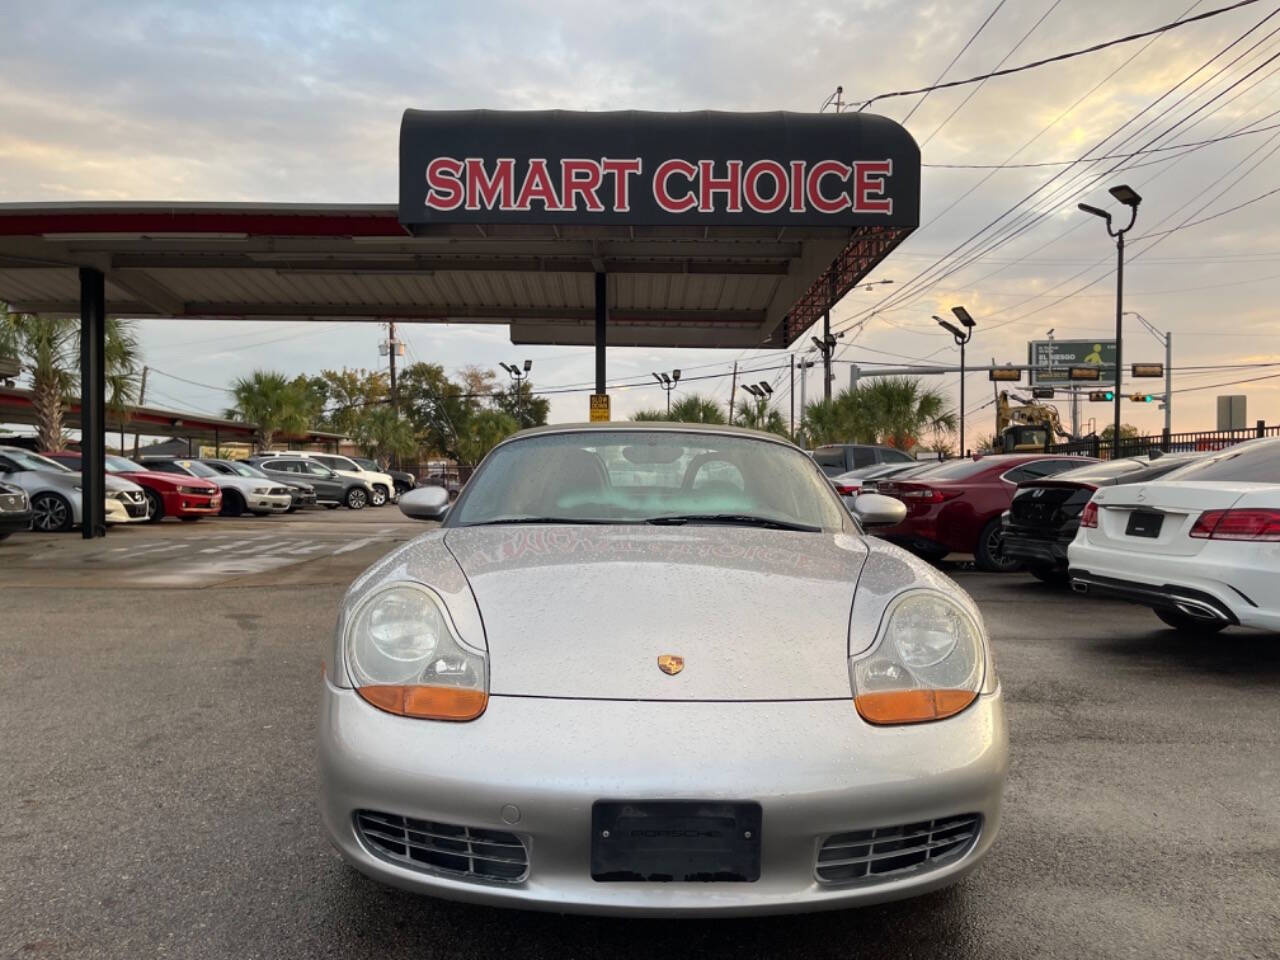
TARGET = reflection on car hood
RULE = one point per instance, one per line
(585, 611)
(117, 482)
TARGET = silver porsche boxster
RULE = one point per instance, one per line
(659, 669)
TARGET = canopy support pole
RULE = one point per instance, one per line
(602, 316)
(93, 392)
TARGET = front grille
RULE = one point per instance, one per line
(467, 852)
(13, 502)
(888, 852)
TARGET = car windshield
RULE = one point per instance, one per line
(197, 468)
(244, 470)
(33, 461)
(659, 476)
(1256, 461)
(368, 464)
(123, 465)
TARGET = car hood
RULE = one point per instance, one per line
(115, 482)
(160, 479)
(586, 611)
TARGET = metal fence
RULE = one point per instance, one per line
(1198, 441)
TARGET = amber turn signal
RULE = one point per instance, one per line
(911, 706)
(426, 702)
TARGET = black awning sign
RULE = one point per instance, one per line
(646, 168)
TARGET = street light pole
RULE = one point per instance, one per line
(1129, 197)
(668, 383)
(519, 376)
(961, 338)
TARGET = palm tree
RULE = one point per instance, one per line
(825, 421)
(381, 434)
(650, 416)
(758, 416)
(900, 410)
(696, 408)
(271, 401)
(48, 352)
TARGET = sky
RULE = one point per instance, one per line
(301, 102)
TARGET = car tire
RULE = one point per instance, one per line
(51, 513)
(232, 504)
(989, 554)
(155, 507)
(1049, 574)
(379, 496)
(357, 499)
(1190, 625)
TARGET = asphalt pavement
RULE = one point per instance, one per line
(157, 776)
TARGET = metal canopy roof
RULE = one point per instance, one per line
(670, 286)
(698, 252)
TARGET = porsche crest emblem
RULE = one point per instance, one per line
(670, 664)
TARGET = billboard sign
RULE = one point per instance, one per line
(637, 168)
(1052, 360)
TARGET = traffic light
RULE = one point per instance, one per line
(1004, 374)
(1142, 397)
(1042, 393)
(1102, 396)
(1147, 369)
(1083, 373)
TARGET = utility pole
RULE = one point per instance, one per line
(142, 396)
(733, 391)
(791, 395)
(1168, 384)
(391, 349)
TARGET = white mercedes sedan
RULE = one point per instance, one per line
(1200, 547)
(659, 669)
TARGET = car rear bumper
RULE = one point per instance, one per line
(1198, 586)
(1036, 550)
(815, 768)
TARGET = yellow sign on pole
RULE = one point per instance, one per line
(599, 408)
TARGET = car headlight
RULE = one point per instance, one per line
(929, 662)
(405, 658)
(261, 490)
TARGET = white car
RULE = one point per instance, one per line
(1201, 546)
(382, 487)
(54, 492)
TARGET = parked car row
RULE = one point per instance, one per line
(42, 491)
(1193, 536)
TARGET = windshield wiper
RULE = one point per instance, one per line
(739, 519)
(500, 521)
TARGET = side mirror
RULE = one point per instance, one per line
(425, 503)
(877, 510)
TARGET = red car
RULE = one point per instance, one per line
(956, 506)
(168, 495)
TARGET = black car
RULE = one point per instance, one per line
(301, 493)
(15, 510)
(1044, 515)
(332, 489)
(838, 458)
(401, 478)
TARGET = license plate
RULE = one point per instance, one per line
(675, 840)
(1143, 523)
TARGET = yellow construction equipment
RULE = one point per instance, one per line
(1028, 426)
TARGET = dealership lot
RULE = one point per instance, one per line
(159, 692)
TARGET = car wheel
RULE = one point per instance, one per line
(155, 507)
(1049, 574)
(51, 513)
(232, 504)
(1192, 625)
(990, 555)
(357, 498)
(379, 496)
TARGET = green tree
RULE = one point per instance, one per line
(696, 408)
(315, 396)
(900, 410)
(438, 408)
(381, 434)
(757, 415)
(522, 406)
(48, 352)
(826, 421)
(484, 430)
(272, 402)
(351, 395)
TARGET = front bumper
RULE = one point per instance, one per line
(267, 503)
(192, 504)
(12, 521)
(815, 768)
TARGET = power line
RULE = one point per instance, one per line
(1112, 156)
(1060, 57)
(982, 26)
